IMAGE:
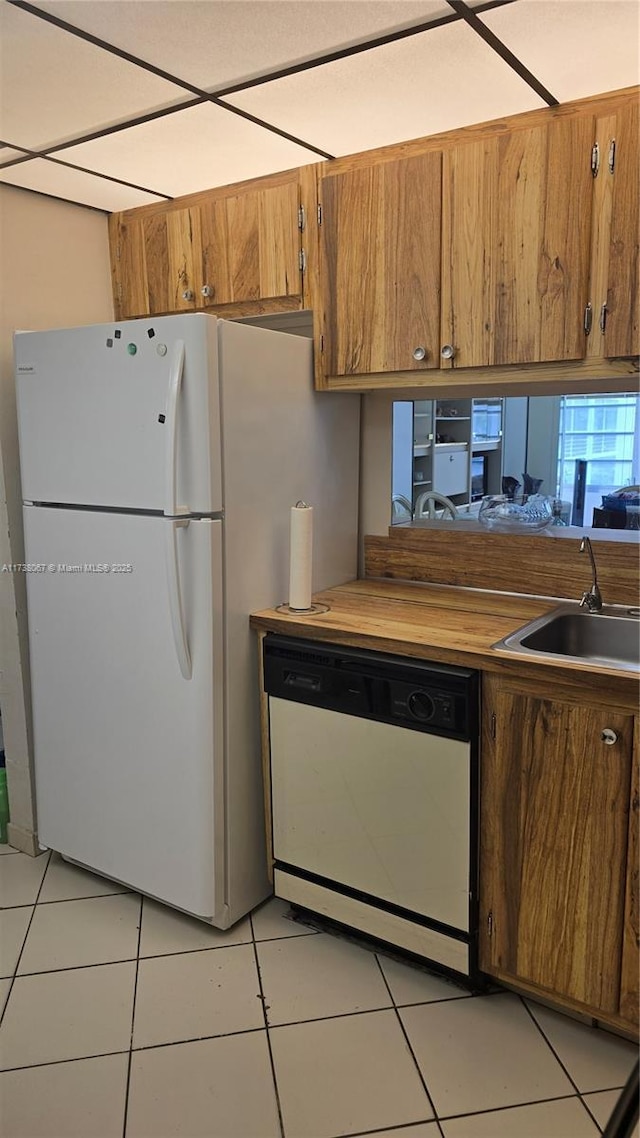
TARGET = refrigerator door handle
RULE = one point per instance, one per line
(175, 380)
(175, 597)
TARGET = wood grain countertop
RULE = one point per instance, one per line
(442, 623)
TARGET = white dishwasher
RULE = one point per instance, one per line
(374, 792)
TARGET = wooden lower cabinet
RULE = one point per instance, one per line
(629, 979)
(555, 896)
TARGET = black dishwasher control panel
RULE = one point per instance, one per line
(437, 698)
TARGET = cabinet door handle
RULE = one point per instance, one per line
(609, 737)
(603, 318)
(447, 351)
(187, 294)
(206, 290)
(419, 353)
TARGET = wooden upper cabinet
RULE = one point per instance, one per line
(380, 266)
(554, 833)
(128, 265)
(250, 246)
(234, 251)
(622, 328)
(516, 244)
(171, 241)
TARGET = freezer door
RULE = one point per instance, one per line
(129, 754)
(122, 415)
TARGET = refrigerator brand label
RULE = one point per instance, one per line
(26, 369)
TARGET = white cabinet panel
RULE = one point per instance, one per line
(451, 471)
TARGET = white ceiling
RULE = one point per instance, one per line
(143, 89)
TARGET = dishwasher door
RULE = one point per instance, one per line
(375, 807)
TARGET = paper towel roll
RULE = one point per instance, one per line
(300, 550)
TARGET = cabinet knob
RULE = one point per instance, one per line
(447, 351)
(609, 737)
(188, 294)
(206, 290)
(419, 353)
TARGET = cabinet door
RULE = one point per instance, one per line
(629, 987)
(554, 844)
(516, 243)
(170, 239)
(128, 266)
(622, 330)
(250, 245)
(380, 267)
(451, 472)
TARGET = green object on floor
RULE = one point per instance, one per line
(4, 805)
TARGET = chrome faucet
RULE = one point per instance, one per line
(591, 600)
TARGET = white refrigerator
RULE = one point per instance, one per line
(159, 459)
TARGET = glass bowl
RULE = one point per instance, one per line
(498, 512)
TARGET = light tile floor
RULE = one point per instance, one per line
(124, 1019)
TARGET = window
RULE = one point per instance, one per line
(602, 430)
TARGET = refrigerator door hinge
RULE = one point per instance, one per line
(319, 214)
(302, 260)
(595, 159)
(490, 924)
(493, 725)
(612, 155)
(588, 318)
(301, 218)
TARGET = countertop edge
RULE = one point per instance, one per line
(352, 603)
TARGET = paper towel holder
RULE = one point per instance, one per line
(312, 611)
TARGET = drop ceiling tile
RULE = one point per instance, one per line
(575, 47)
(215, 42)
(438, 80)
(55, 86)
(74, 185)
(191, 150)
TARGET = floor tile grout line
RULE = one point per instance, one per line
(132, 959)
(268, 1037)
(24, 939)
(77, 967)
(407, 1126)
(580, 1093)
(90, 897)
(62, 1062)
(590, 1112)
(201, 952)
(549, 1044)
(136, 1050)
(67, 900)
(509, 1106)
(133, 1020)
(408, 1043)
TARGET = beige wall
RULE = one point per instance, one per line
(55, 273)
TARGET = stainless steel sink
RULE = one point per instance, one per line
(610, 637)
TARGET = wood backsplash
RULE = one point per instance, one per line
(541, 564)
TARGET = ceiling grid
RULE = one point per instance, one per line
(116, 103)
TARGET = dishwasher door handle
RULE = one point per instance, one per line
(302, 682)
